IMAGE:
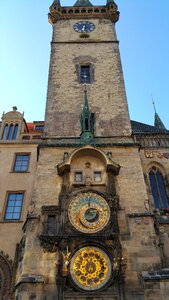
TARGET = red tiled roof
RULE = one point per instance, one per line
(30, 126)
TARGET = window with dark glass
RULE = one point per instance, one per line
(10, 132)
(158, 189)
(14, 206)
(85, 74)
(4, 136)
(39, 127)
(21, 162)
(51, 224)
(97, 176)
(78, 177)
(15, 132)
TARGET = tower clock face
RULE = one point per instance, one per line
(84, 26)
(90, 268)
(89, 212)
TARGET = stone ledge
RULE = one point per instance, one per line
(141, 214)
(31, 279)
(163, 219)
(162, 274)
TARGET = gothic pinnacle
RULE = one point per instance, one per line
(157, 121)
(83, 3)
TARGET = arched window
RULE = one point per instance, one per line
(4, 136)
(158, 188)
(10, 132)
(15, 132)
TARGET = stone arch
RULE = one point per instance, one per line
(93, 151)
(5, 276)
(157, 165)
(157, 184)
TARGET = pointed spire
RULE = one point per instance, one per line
(157, 121)
(56, 2)
(110, 1)
(87, 122)
(86, 111)
(83, 3)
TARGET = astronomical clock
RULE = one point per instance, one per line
(92, 255)
(89, 212)
(87, 237)
(90, 266)
(94, 262)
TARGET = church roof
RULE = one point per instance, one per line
(83, 3)
(138, 127)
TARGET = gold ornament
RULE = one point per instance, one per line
(90, 268)
(89, 212)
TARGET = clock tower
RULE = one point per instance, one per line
(80, 241)
(85, 49)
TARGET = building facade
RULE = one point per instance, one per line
(84, 196)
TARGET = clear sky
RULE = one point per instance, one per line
(25, 35)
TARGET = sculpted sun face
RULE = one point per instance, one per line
(89, 212)
(90, 268)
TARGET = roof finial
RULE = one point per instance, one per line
(14, 108)
(153, 104)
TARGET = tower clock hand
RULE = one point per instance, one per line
(83, 28)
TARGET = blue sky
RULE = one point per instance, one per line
(143, 31)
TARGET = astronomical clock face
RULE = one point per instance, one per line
(84, 26)
(90, 268)
(89, 212)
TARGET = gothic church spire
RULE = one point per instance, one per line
(87, 122)
(157, 120)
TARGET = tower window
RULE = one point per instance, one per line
(15, 132)
(39, 127)
(85, 74)
(21, 163)
(51, 224)
(14, 206)
(158, 189)
(10, 132)
(86, 124)
(97, 176)
(78, 177)
(4, 136)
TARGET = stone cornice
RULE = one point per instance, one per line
(95, 12)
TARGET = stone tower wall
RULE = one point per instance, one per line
(107, 96)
